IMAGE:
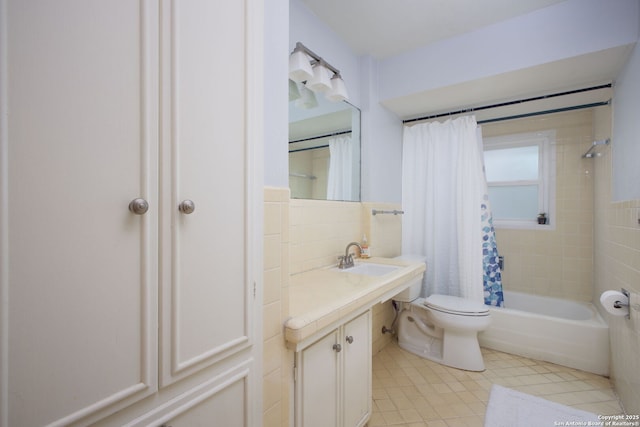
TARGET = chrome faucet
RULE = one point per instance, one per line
(346, 261)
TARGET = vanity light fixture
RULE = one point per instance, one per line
(321, 80)
(338, 90)
(307, 99)
(316, 74)
(294, 92)
(300, 68)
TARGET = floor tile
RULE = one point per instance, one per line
(409, 391)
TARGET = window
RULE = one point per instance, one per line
(520, 172)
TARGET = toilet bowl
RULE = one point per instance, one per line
(444, 329)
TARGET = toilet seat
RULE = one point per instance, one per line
(456, 305)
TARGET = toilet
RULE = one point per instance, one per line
(442, 328)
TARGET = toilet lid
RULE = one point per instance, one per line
(456, 305)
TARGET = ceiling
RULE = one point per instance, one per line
(384, 28)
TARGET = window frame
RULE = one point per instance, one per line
(546, 182)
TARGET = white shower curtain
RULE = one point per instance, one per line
(442, 194)
(340, 179)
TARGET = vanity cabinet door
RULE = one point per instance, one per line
(317, 390)
(357, 371)
(333, 385)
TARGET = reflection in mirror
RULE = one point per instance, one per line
(324, 147)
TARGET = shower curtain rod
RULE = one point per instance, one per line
(520, 101)
(311, 138)
(317, 147)
(539, 113)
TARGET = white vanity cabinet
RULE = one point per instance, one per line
(114, 313)
(333, 377)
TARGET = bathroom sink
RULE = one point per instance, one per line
(369, 269)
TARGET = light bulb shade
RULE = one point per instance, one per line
(321, 80)
(307, 98)
(294, 93)
(338, 90)
(299, 66)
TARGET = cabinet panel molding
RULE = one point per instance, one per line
(221, 395)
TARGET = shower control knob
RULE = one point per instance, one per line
(139, 206)
(337, 348)
(349, 339)
(187, 207)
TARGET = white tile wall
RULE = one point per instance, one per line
(556, 262)
(276, 402)
(617, 265)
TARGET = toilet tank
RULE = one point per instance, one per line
(414, 289)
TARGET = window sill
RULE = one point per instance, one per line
(522, 225)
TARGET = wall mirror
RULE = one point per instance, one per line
(324, 147)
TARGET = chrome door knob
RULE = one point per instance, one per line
(139, 206)
(337, 348)
(187, 206)
(349, 339)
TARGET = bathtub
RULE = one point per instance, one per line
(560, 331)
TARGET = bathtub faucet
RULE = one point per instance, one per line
(346, 261)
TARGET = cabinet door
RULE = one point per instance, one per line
(317, 390)
(207, 289)
(78, 269)
(357, 370)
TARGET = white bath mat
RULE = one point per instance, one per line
(511, 408)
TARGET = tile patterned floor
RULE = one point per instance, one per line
(409, 391)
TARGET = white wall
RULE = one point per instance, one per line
(289, 21)
(382, 142)
(626, 130)
(276, 96)
(564, 30)
(381, 130)
(305, 27)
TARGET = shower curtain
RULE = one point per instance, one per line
(443, 194)
(340, 180)
(492, 277)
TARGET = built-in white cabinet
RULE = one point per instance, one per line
(130, 193)
(333, 377)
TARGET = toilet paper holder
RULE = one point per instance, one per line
(620, 304)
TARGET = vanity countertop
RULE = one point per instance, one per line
(320, 298)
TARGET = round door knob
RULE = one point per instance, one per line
(349, 339)
(187, 207)
(139, 206)
(337, 348)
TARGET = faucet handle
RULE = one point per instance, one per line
(341, 261)
(349, 260)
